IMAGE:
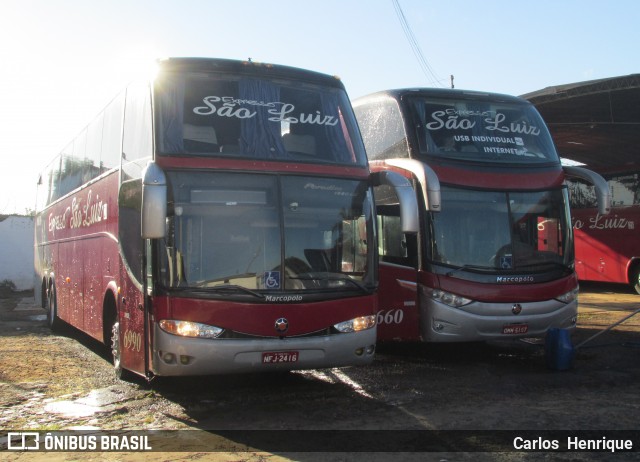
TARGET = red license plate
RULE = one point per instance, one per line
(512, 329)
(274, 357)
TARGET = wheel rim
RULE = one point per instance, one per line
(51, 311)
(115, 345)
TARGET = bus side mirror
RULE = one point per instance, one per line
(603, 194)
(154, 202)
(406, 196)
(427, 180)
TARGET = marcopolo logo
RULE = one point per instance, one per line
(282, 325)
(283, 298)
(514, 279)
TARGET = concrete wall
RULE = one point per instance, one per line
(16, 251)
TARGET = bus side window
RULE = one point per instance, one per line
(137, 145)
(200, 138)
(382, 129)
(394, 246)
(111, 145)
(581, 194)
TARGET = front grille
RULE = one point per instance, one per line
(230, 334)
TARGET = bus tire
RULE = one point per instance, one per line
(43, 295)
(635, 278)
(53, 321)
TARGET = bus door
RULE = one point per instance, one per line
(398, 295)
(131, 323)
(131, 300)
(137, 148)
(589, 261)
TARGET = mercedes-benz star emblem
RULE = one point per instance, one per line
(516, 308)
(282, 325)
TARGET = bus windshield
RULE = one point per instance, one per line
(267, 233)
(215, 115)
(503, 231)
(480, 131)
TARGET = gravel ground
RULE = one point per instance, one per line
(53, 382)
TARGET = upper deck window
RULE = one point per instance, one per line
(218, 115)
(382, 130)
(480, 130)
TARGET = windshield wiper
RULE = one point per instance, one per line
(345, 278)
(236, 288)
(332, 277)
(220, 288)
(555, 264)
(466, 267)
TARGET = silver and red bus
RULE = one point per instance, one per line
(216, 219)
(494, 257)
(607, 246)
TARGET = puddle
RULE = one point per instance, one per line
(102, 397)
(86, 406)
(71, 409)
(39, 317)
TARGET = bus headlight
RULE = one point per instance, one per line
(356, 324)
(190, 329)
(448, 298)
(569, 296)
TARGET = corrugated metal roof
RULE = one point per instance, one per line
(596, 122)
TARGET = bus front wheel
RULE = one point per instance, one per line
(53, 321)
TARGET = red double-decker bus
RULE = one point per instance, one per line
(494, 257)
(607, 246)
(216, 219)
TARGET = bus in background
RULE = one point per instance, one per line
(217, 219)
(494, 256)
(607, 247)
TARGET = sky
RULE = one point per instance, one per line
(62, 61)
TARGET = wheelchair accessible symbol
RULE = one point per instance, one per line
(272, 279)
(506, 262)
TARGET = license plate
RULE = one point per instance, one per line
(274, 357)
(512, 329)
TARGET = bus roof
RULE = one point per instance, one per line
(446, 93)
(248, 67)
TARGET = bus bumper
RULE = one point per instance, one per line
(178, 356)
(490, 321)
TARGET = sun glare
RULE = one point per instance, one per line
(140, 63)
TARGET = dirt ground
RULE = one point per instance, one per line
(64, 381)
